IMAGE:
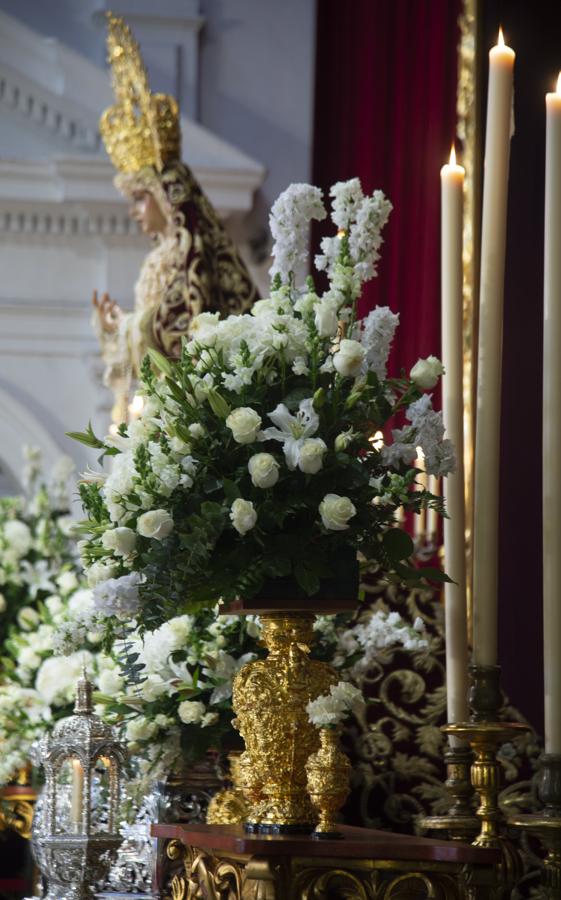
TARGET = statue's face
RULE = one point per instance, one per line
(147, 213)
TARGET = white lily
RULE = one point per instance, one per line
(292, 430)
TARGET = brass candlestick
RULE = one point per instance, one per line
(546, 825)
(486, 734)
(460, 822)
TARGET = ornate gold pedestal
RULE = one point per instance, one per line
(269, 699)
(224, 863)
(460, 822)
(17, 802)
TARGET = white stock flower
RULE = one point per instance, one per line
(426, 372)
(378, 329)
(311, 455)
(18, 537)
(335, 512)
(264, 470)
(156, 524)
(347, 197)
(121, 540)
(289, 221)
(292, 430)
(191, 712)
(243, 515)
(331, 709)
(118, 596)
(440, 458)
(244, 423)
(81, 604)
(349, 357)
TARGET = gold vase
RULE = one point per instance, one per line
(229, 806)
(269, 699)
(328, 772)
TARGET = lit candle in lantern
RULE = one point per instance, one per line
(136, 406)
(77, 791)
(487, 445)
(552, 425)
(455, 603)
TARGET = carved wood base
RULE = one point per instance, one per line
(419, 869)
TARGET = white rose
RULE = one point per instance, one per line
(67, 582)
(243, 515)
(81, 603)
(264, 470)
(141, 729)
(349, 358)
(18, 536)
(191, 711)
(196, 430)
(244, 423)
(157, 524)
(110, 682)
(100, 571)
(3, 603)
(28, 658)
(28, 618)
(54, 604)
(310, 459)
(326, 319)
(426, 372)
(121, 540)
(336, 511)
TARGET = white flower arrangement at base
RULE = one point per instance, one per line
(330, 710)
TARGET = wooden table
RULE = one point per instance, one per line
(221, 862)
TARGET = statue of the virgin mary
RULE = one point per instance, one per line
(193, 266)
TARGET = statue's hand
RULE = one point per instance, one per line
(108, 311)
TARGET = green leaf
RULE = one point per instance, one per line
(175, 390)
(160, 362)
(398, 544)
(433, 574)
(231, 490)
(86, 437)
(307, 579)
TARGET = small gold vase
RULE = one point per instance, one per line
(269, 699)
(229, 806)
(328, 773)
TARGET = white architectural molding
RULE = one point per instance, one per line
(19, 427)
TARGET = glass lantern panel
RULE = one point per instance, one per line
(100, 794)
(69, 797)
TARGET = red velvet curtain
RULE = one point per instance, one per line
(385, 111)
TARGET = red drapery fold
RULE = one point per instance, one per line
(386, 110)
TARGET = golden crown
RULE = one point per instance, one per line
(140, 129)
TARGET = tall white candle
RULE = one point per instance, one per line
(552, 425)
(76, 796)
(455, 606)
(487, 444)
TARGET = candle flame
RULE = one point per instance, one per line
(453, 156)
(137, 405)
(500, 39)
(559, 83)
(341, 234)
(377, 440)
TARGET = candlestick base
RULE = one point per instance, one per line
(485, 739)
(460, 822)
(546, 825)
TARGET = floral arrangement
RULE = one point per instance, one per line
(38, 683)
(36, 544)
(331, 709)
(251, 459)
(171, 695)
